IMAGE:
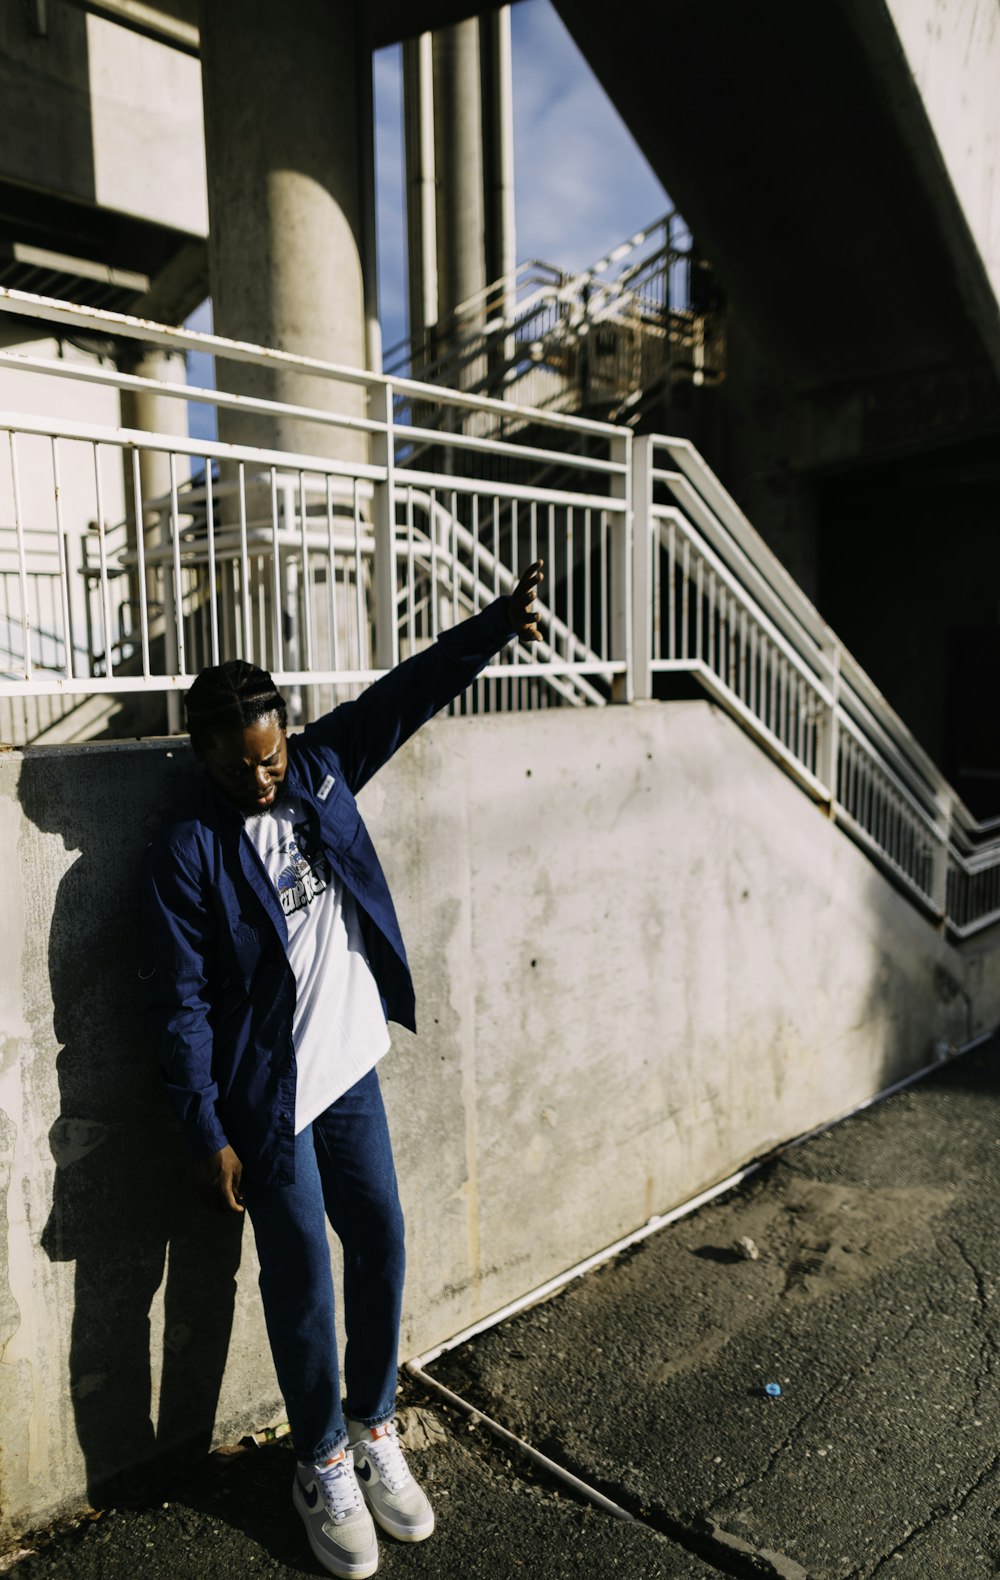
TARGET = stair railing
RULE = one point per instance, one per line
(713, 601)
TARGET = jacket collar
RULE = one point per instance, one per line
(226, 820)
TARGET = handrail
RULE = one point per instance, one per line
(722, 607)
(319, 567)
(50, 310)
(788, 603)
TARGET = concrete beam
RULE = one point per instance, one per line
(97, 114)
(180, 287)
(176, 21)
(801, 153)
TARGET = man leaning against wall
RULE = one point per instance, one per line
(272, 962)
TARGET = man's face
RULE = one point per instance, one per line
(248, 766)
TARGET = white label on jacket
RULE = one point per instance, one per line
(325, 788)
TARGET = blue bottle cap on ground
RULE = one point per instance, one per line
(773, 1390)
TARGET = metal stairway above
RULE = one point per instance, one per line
(600, 341)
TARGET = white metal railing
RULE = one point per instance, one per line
(326, 568)
(321, 567)
(713, 601)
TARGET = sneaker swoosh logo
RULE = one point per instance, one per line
(364, 1470)
(311, 1494)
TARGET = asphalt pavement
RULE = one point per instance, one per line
(871, 1303)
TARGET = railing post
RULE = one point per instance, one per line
(386, 647)
(173, 602)
(623, 686)
(828, 751)
(942, 859)
(642, 565)
(88, 612)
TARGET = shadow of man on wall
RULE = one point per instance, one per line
(125, 1206)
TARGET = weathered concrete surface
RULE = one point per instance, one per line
(953, 50)
(675, 961)
(642, 957)
(285, 134)
(103, 115)
(873, 1305)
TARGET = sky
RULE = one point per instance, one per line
(581, 184)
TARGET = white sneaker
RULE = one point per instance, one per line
(399, 1505)
(338, 1525)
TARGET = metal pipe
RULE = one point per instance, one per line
(213, 611)
(421, 197)
(140, 549)
(582, 1488)
(63, 552)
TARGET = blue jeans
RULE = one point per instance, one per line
(343, 1171)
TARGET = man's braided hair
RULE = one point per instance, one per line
(228, 697)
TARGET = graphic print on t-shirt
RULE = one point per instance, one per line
(304, 876)
(338, 1030)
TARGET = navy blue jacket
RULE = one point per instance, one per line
(216, 988)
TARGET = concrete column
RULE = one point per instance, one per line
(498, 160)
(458, 154)
(421, 200)
(498, 134)
(368, 195)
(286, 205)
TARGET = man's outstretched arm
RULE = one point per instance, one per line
(365, 733)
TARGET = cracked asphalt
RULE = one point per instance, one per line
(873, 1304)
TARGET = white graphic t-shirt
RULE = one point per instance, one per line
(339, 1031)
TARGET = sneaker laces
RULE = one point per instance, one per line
(338, 1484)
(388, 1456)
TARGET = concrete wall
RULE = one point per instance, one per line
(642, 957)
(98, 113)
(953, 50)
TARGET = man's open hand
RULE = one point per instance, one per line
(521, 609)
(221, 1175)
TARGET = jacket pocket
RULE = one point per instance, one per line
(339, 818)
(246, 948)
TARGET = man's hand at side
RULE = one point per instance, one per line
(221, 1175)
(521, 609)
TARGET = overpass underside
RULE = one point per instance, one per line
(835, 162)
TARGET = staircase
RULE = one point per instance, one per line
(603, 340)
